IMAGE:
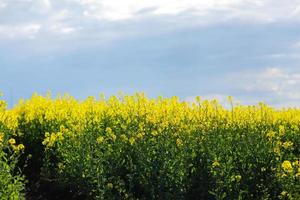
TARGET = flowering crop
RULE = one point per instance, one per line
(11, 182)
(133, 147)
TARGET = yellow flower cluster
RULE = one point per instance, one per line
(100, 139)
(290, 169)
(236, 178)
(287, 166)
(11, 141)
(134, 120)
(296, 165)
(287, 145)
(50, 139)
(1, 137)
(179, 142)
(215, 164)
(16, 148)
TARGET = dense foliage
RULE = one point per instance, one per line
(133, 147)
(11, 182)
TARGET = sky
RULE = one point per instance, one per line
(249, 49)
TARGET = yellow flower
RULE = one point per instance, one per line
(296, 163)
(277, 150)
(281, 130)
(287, 144)
(270, 134)
(287, 166)
(113, 137)
(215, 164)
(123, 126)
(110, 185)
(61, 167)
(108, 130)
(179, 142)
(238, 177)
(140, 135)
(110, 134)
(131, 140)
(20, 147)
(284, 193)
(283, 175)
(50, 139)
(123, 137)
(11, 141)
(154, 133)
(230, 99)
(198, 99)
(100, 139)
(1, 137)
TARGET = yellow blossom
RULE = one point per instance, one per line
(11, 141)
(131, 140)
(110, 185)
(20, 147)
(284, 193)
(215, 164)
(113, 137)
(238, 177)
(154, 133)
(108, 130)
(123, 137)
(287, 144)
(277, 150)
(1, 137)
(179, 142)
(283, 175)
(140, 135)
(296, 163)
(270, 134)
(100, 139)
(50, 139)
(281, 130)
(287, 166)
(61, 167)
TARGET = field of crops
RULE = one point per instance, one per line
(133, 147)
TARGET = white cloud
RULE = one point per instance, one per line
(296, 45)
(99, 15)
(40, 6)
(61, 15)
(62, 29)
(293, 55)
(273, 73)
(274, 85)
(116, 10)
(257, 10)
(269, 80)
(296, 11)
(19, 31)
(2, 5)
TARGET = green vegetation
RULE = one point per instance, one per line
(132, 147)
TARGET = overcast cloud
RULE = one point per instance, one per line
(248, 49)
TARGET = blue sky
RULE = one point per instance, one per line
(247, 49)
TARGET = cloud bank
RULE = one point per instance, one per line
(40, 18)
(247, 49)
